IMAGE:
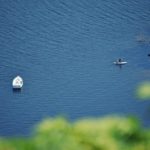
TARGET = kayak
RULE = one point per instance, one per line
(120, 63)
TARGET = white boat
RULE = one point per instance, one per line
(17, 82)
(120, 63)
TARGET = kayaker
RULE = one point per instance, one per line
(119, 60)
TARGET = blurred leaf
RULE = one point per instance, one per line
(143, 91)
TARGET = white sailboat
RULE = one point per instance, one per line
(17, 82)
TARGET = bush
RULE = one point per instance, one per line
(109, 133)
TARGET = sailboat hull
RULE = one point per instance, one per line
(17, 83)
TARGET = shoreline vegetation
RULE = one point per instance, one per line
(107, 133)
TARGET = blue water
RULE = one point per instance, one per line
(64, 51)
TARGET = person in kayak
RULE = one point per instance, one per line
(119, 60)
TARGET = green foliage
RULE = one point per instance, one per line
(108, 133)
(143, 91)
(16, 144)
(55, 134)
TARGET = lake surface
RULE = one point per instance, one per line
(64, 50)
